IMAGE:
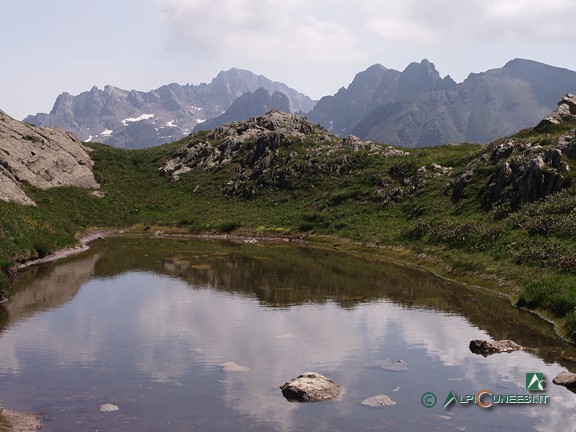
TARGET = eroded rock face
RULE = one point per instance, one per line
(486, 348)
(42, 157)
(310, 387)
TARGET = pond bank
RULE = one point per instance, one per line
(435, 264)
(376, 253)
(14, 421)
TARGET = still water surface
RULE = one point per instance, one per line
(197, 336)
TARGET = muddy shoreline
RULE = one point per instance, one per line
(14, 421)
(88, 237)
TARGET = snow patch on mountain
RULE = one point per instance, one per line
(137, 119)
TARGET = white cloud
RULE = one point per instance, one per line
(395, 30)
(288, 30)
(337, 31)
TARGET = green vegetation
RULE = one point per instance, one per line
(527, 250)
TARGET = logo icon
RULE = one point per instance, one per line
(450, 398)
(535, 381)
(429, 399)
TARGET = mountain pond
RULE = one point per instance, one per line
(195, 335)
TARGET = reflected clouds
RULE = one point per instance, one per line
(145, 325)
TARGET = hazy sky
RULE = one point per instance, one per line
(314, 46)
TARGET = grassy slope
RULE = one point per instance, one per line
(532, 248)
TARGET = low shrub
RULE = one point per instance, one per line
(546, 252)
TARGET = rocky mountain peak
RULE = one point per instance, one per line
(63, 103)
(419, 77)
(135, 119)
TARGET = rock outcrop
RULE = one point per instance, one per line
(516, 172)
(41, 157)
(277, 150)
(250, 104)
(310, 387)
(486, 348)
(566, 111)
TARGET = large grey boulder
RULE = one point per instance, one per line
(310, 387)
(486, 348)
(566, 379)
(41, 157)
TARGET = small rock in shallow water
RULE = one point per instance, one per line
(378, 401)
(234, 367)
(310, 387)
(486, 348)
(396, 366)
(566, 379)
(108, 408)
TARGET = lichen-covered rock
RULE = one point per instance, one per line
(42, 157)
(310, 387)
(485, 348)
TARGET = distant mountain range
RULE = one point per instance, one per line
(412, 108)
(135, 119)
(418, 108)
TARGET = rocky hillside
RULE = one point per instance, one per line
(277, 151)
(516, 171)
(41, 157)
(418, 108)
(136, 119)
(285, 152)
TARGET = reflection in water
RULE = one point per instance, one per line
(185, 336)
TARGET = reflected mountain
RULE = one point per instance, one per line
(281, 275)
